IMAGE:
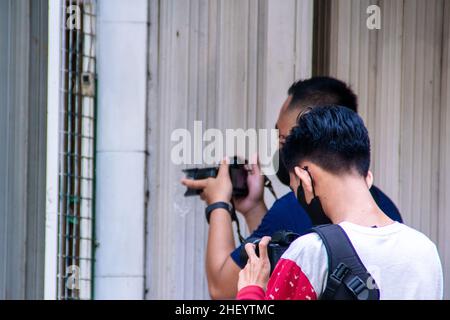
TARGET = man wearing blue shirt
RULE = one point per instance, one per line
(223, 262)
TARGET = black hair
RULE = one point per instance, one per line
(332, 137)
(322, 91)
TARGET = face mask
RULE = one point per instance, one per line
(314, 208)
(282, 173)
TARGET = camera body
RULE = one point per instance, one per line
(281, 240)
(238, 175)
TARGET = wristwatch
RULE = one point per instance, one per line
(219, 205)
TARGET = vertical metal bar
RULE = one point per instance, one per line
(93, 10)
(68, 134)
(62, 169)
(93, 190)
(76, 159)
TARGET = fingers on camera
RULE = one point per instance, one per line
(263, 247)
(250, 249)
(194, 184)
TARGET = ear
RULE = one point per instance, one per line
(298, 173)
(306, 182)
(369, 179)
(294, 179)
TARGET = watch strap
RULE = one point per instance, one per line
(219, 205)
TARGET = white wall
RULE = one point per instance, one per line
(121, 149)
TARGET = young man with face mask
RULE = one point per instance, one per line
(328, 156)
(223, 260)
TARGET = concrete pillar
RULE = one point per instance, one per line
(120, 202)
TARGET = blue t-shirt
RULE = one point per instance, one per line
(287, 214)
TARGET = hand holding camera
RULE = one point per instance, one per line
(247, 182)
(255, 196)
(257, 269)
(212, 190)
(278, 244)
(233, 185)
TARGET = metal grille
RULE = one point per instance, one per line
(77, 151)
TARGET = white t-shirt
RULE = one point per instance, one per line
(404, 263)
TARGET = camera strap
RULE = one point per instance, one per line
(348, 278)
(268, 185)
(235, 218)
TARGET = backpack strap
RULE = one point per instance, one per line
(348, 278)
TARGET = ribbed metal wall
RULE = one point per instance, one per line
(23, 65)
(444, 154)
(401, 76)
(228, 64)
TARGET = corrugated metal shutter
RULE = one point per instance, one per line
(228, 64)
(23, 65)
(401, 76)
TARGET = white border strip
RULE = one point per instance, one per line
(53, 98)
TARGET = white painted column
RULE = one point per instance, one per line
(53, 98)
(120, 193)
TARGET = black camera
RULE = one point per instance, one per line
(238, 175)
(281, 240)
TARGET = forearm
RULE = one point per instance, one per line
(221, 271)
(254, 217)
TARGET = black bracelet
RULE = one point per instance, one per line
(218, 205)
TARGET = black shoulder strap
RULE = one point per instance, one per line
(348, 278)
